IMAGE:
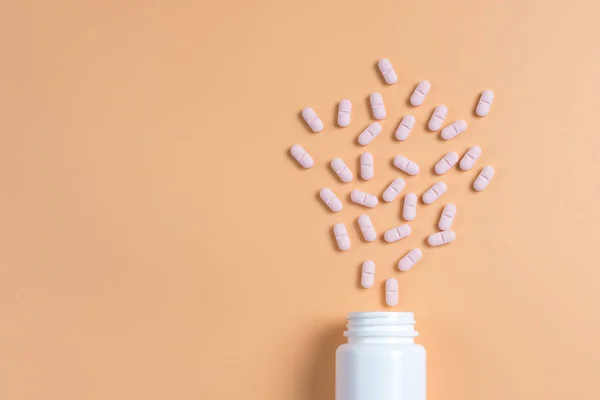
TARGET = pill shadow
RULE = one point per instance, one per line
(379, 74)
(475, 106)
(359, 277)
(382, 291)
(334, 116)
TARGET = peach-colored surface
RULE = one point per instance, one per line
(158, 242)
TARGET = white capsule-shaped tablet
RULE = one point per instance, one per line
(302, 156)
(406, 125)
(391, 292)
(484, 178)
(397, 233)
(410, 259)
(377, 105)
(364, 199)
(404, 164)
(434, 192)
(367, 277)
(312, 119)
(369, 134)
(393, 190)
(437, 118)
(418, 96)
(332, 201)
(468, 160)
(387, 70)
(447, 162)
(454, 129)
(440, 238)
(366, 227)
(367, 170)
(344, 112)
(485, 102)
(341, 236)
(447, 217)
(409, 210)
(341, 169)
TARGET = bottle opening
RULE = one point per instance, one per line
(381, 324)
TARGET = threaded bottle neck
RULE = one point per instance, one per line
(381, 327)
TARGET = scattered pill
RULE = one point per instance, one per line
(332, 201)
(437, 118)
(312, 119)
(391, 292)
(366, 166)
(418, 96)
(434, 192)
(367, 278)
(404, 164)
(341, 236)
(409, 211)
(366, 227)
(364, 199)
(407, 123)
(377, 106)
(341, 169)
(447, 162)
(369, 134)
(484, 178)
(468, 160)
(485, 102)
(440, 238)
(448, 214)
(387, 70)
(344, 112)
(397, 233)
(302, 156)
(454, 129)
(393, 190)
(410, 259)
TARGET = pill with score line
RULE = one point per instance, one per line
(406, 165)
(387, 70)
(468, 160)
(364, 199)
(447, 217)
(366, 227)
(329, 198)
(409, 210)
(344, 112)
(397, 233)
(312, 119)
(377, 105)
(367, 276)
(302, 156)
(369, 133)
(454, 129)
(434, 192)
(341, 236)
(418, 96)
(484, 178)
(406, 125)
(341, 169)
(440, 238)
(485, 103)
(410, 259)
(447, 162)
(367, 169)
(391, 292)
(437, 118)
(393, 190)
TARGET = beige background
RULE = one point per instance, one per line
(157, 241)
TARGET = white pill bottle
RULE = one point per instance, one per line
(381, 360)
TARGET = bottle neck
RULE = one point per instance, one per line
(381, 327)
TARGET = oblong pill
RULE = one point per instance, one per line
(447, 217)
(404, 164)
(364, 199)
(302, 156)
(410, 259)
(484, 178)
(332, 201)
(418, 96)
(369, 133)
(341, 169)
(391, 292)
(397, 233)
(341, 236)
(367, 277)
(344, 112)
(434, 192)
(484, 104)
(393, 190)
(440, 238)
(409, 210)
(468, 160)
(447, 162)
(437, 118)
(366, 227)
(312, 119)
(406, 125)
(377, 105)
(367, 169)
(454, 129)
(387, 70)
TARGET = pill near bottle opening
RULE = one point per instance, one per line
(447, 162)
(367, 169)
(377, 105)
(366, 227)
(440, 238)
(367, 277)
(484, 178)
(312, 119)
(341, 236)
(341, 169)
(364, 199)
(330, 199)
(437, 118)
(409, 211)
(391, 292)
(369, 133)
(418, 96)
(485, 103)
(470, 157)
(344, 112)
(410, 259)
(387, 70)
(406, 125)
(302, 156)
(393, 190)
(454, 129)
(397, 233)
(434, 192)
(406, 165)
(447, 217)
